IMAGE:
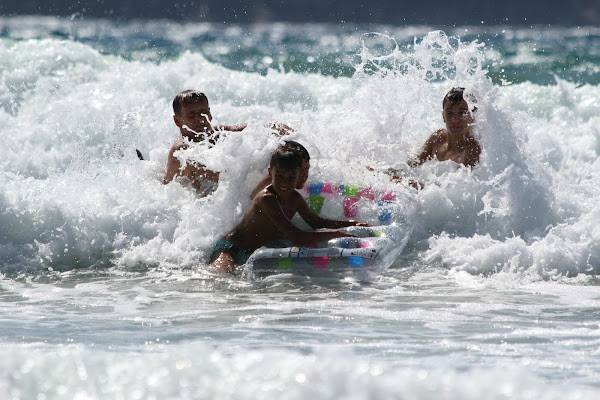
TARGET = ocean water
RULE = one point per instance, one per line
(104, 291)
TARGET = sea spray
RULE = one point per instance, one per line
(383, 115)
(103, 285)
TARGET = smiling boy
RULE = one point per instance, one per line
(268, 217)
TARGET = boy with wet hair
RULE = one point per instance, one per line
(193, 118)
(456, 142)
(268, 217)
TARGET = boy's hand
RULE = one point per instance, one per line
(280, 129)
(415, 184)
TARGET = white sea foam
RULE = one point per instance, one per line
(73, 191)
(102, 283)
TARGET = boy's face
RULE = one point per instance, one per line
(303, 174)
(457, 117)
(196, 116)
(284, 180)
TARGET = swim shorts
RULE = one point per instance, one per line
(240, 255)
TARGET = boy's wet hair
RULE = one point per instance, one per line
(301, 149)
(456, 95)
(186, 98)
(286, 157)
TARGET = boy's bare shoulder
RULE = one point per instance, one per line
(179, 144)
(267, 199)
(265, 196)
(438, 136)
(433, 142)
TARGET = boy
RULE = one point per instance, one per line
(456, 142)
(268, 217)
(192, 117)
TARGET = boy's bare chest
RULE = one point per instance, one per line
(457, 154)
(288, 209)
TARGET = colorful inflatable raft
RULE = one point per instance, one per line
(363, 258)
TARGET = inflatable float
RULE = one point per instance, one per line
(363, 257)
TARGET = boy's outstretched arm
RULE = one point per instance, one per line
(231, 128)
(315, 221)
(272, 209)
(278, 128)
